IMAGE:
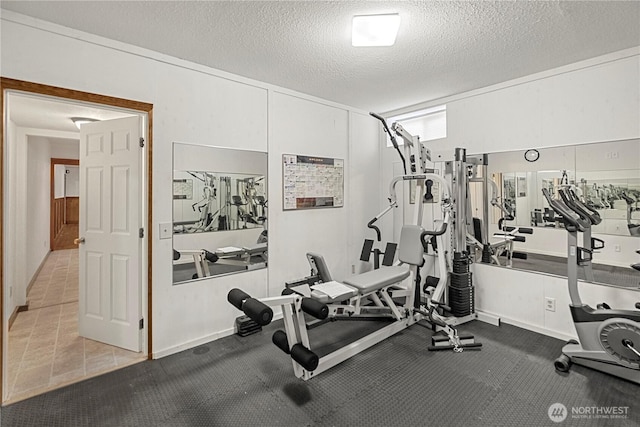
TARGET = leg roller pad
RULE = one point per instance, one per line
(257, 311)
(236, 297)
(315, 308)
(305, 357)
(279, 338)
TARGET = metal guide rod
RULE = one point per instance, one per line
(485, 198)
(458, 191)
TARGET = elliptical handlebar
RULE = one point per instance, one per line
(572, 221)
(570, 199)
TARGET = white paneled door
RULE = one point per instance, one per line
(109, 232)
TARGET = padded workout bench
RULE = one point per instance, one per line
(319, 296)
(244, 256)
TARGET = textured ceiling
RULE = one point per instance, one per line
(443, 47)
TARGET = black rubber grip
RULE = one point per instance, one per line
(279, 338)
(445, 308)
(375, 228)
(519, 239)
(176, 255)
(315, 308)
(519, 255)
(525, 230)
(210, 256)
(236, 297)
(257, 311)
(305, 357)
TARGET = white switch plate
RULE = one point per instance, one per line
(166, 230)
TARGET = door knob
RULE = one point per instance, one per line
(78, 240)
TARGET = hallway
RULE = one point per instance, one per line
(45, 351)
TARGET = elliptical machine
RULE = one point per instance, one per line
(609, 339)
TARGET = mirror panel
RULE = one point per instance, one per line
(604, 175)
(219, 211)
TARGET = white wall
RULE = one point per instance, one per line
(58, 181)
(67, 149)
(196, 104)
(518, 298)
(38, 194)
(325, 132)
(72, 181)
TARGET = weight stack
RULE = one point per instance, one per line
(245, 326)
(486, 254)
(461, 294)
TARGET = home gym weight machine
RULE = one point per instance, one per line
(608, 339)
(323, 298)
(507, 235)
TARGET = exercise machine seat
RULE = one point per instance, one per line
(377, 279)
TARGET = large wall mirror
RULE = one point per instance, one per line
(605, 176)
(219, 211)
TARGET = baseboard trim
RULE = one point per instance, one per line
(203, 340)
(489, 318)
(35, 275)
(14, 314)
(533, 328)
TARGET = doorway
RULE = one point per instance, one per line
(58, 273)
(64, 212)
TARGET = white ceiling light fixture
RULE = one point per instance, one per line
(79, 121)
(375, 30)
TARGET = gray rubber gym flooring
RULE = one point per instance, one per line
(249, 382)
(606, 274)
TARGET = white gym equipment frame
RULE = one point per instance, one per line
(322, 297)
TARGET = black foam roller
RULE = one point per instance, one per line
(279, 338)
(236, 297)
(210, 256)
(315, 308)
(305, 357)
(257, 311)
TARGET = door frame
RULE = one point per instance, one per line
(56, 161)
(87, 97)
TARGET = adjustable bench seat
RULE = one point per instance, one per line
(375, 280)
(365, 283)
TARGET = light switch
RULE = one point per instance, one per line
(166, 230)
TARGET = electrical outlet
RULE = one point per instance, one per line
(550, 304)
(353, 269)
(616, 248)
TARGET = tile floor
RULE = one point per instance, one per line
(45, 351)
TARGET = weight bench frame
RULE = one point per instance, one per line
(306, 364)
